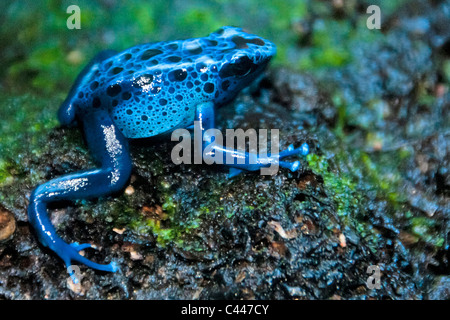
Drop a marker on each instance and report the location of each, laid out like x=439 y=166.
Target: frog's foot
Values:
x=70 y=252
x=291 y=151
x=276 y=158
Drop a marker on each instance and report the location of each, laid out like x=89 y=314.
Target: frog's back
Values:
x=154 y=88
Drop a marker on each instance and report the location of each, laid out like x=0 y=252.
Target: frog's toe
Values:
x=77 y=246
x=114 y=266
x=233 y=173
x=293 y=166
x=290 y=151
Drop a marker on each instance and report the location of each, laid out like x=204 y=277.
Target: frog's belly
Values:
x=152 y=120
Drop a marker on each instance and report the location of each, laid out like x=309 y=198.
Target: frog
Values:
x=145 y=91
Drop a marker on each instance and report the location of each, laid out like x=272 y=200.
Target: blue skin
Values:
x=145 y=91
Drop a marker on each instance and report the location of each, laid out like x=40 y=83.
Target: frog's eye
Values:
x=238 y=68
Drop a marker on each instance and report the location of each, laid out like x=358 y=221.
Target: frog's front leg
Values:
x=110 y=149
x=252 y=162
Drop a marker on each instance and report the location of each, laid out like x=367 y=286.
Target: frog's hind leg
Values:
x=110 y=149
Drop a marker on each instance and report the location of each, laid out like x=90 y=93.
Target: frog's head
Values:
x=245 y=56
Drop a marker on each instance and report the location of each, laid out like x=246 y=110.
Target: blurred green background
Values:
x=39 y=53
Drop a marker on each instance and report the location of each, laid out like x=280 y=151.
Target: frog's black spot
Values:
x=186 y=108
x=216 y=95
x=197 y=89
x=177 y=75
x=201 y=67
x=164 y=113
x=94 y=85
x=153 y=62
x=150 y=108
x=174 y=59
x=144 y=118
x=194 y=49
x=114 y=103
x=162 y=102
x=204 y=77
x=129 y=111
x=189 y=84
x=179 y=97
x=208 y=87
x=113 y=90
x=116 y=70
x=211 y=43
x=108 y=65
x=147 y=54
x=194 y=75
x=225 y=85
x=174 y=111
x=126 y=96
x=96 y=103
x=127 y=56
x=171 y=90
x=155 y=90
x=172 y=46
x=197 y=82
x=219 y=31
x=241 y=42
x=80 y=95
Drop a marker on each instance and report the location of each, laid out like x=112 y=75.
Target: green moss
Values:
x=386 y=184
x=5 y=174
x=342 y=188
x=170 y=227
x=425 y=229
x=446 y=70
x=25 y=122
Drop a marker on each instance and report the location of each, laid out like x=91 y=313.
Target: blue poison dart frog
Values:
x=144 y=91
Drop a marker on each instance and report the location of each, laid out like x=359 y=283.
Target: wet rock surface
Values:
x=373 y=192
